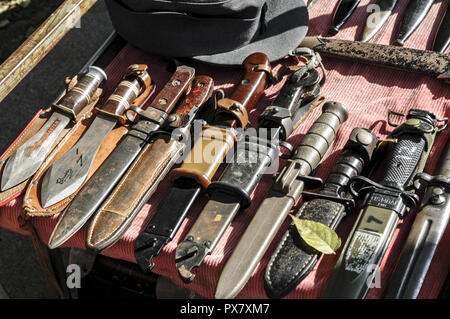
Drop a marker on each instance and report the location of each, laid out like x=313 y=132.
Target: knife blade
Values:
x=29 y=157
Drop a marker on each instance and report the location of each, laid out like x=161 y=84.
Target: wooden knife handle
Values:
x=249 y=91
x=202 y=89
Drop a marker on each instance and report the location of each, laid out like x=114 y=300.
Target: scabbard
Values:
x=426 y=232
x=343 y=12
x=442 y=39
x=282 y=196
x=421 y=61
x=292 y=260
x=415 y=12
x=99 y=186
x=378 y=18
x=147 y=171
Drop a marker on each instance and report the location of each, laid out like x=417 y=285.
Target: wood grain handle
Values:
x=179 y=83
x=202 y=89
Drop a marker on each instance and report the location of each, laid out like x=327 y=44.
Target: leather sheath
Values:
x=146 y=172
x=292 y=260
x=414 y=14
x=99 y=186
x=33 y=127
x=343 y=12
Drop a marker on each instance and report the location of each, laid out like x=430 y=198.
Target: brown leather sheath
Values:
x=147 y=171
x=32 y=204
x=34 y=126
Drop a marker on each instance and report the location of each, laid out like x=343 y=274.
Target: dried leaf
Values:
x=317 y=235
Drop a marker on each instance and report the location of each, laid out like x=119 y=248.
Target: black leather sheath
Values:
x=292 y=259
x=342 y=14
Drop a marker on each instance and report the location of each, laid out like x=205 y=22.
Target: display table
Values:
x=368 y=92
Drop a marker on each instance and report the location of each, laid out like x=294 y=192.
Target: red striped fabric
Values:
x=367 y=91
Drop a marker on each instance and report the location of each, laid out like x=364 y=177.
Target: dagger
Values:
x=291 y=260
x=253 y=156
x=194 y=175
x=442 y=39
x=385 y=203
x=343 y=12
x=375 y=20
x=282 y=196
x=421 y=61
x=426 y=232
x=102 y=182
x=28 y=158
x=416 y=11
x=71 y=170
x=148 y=170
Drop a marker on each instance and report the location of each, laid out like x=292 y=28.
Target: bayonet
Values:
x=150 y=167
x=416 y=11
x=442 y=39
x=71 y=170
x=292 y=260
x=253 y=156
x=384 y=204
x=421 y=61
x=343 y=12
x=426 y=232
x=195 y=173
x=375 y=20
x=28 y=158
x=103 y=181
x=281 y=197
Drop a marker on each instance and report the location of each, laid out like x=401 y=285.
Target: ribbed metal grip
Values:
x=321 y=135
x=403 y=160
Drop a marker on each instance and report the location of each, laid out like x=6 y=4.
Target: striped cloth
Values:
x=367 y=91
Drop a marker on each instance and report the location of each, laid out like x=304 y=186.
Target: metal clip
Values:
x=313 y=60
x=438 y=180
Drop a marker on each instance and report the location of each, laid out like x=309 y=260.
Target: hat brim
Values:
x=287 y=26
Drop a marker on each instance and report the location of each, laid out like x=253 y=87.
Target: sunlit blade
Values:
x=27 y=159
x=70 y=171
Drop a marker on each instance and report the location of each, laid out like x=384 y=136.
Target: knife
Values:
x=442 y=39
x=28 y=158
x=71 y=170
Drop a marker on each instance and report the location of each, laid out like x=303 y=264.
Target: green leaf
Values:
x=317 y=235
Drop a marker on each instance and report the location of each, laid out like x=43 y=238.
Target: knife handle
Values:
x=313 y=146
x=80 y=95
x=356 y=154
x=256 y=78
x=206 y=155
x=134 y=89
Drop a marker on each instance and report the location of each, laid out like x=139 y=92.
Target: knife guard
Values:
x=33 y=127
x=202 y=169
x=32 y=204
